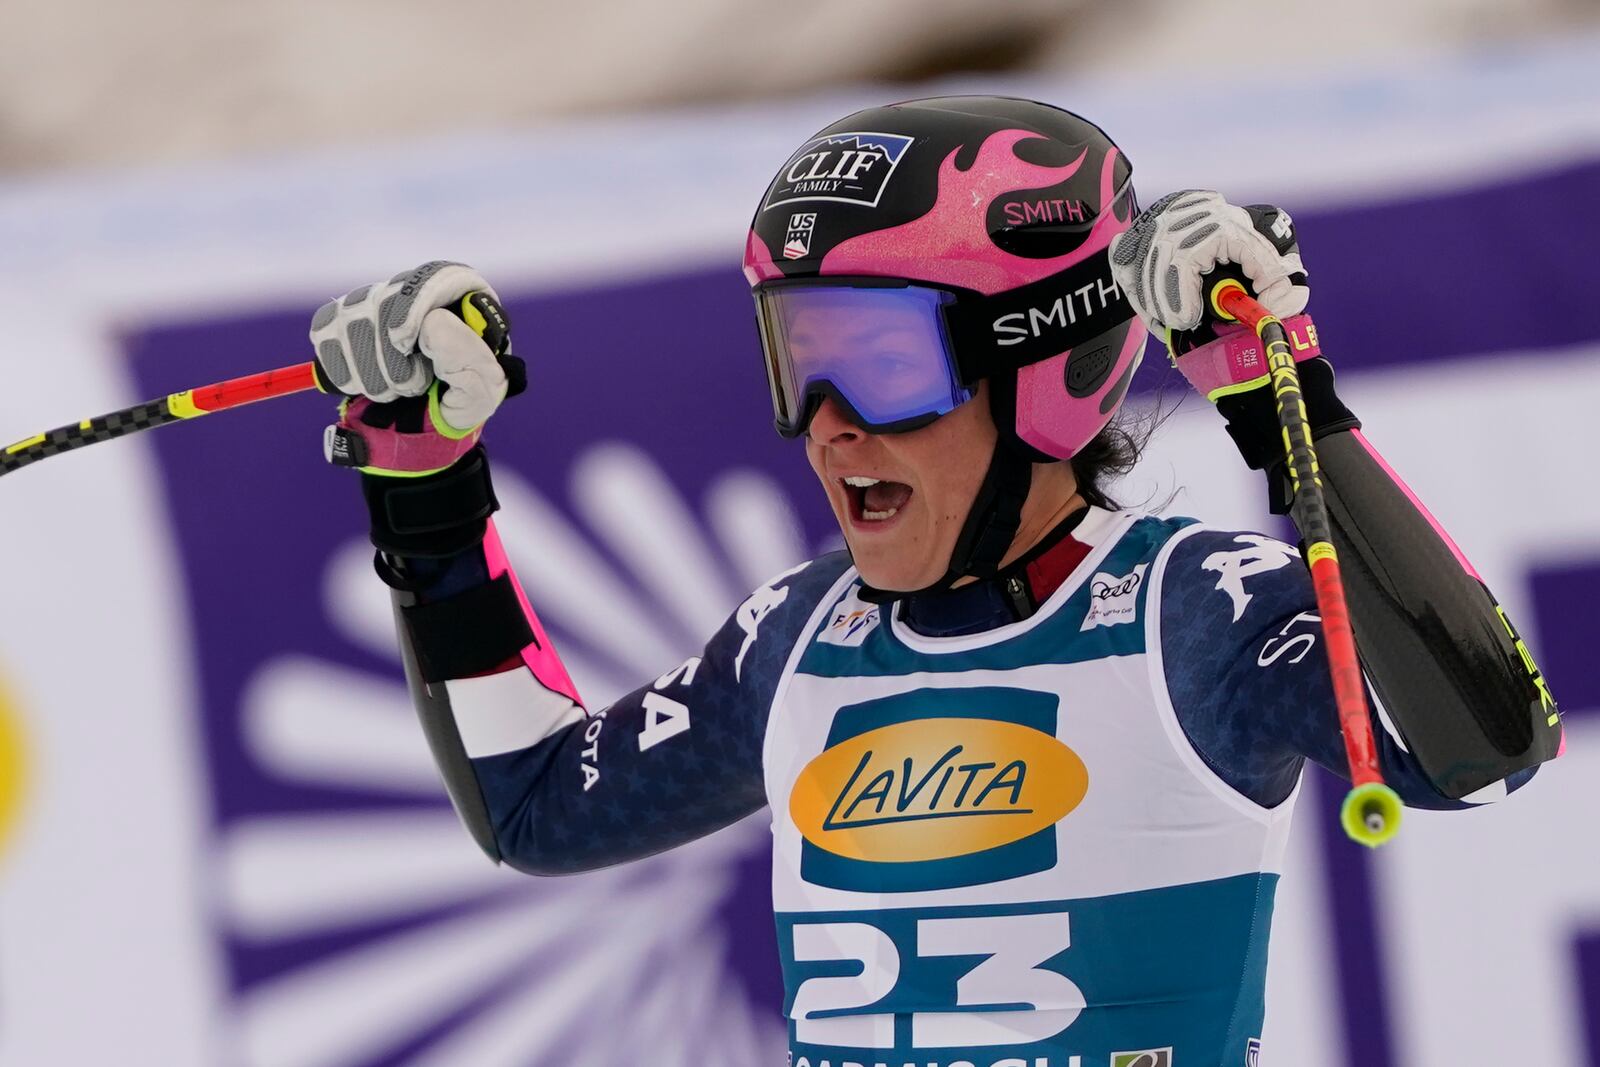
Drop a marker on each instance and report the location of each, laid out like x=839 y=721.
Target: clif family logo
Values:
x=930 y=789
x=851 y=168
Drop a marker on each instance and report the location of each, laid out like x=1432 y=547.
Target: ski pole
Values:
x=189 y=404
x=1371 y=810
x=479 y=310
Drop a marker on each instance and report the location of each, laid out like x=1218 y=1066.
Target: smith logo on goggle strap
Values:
x=1086 y=301
x=1010 y=330
x=851 y=168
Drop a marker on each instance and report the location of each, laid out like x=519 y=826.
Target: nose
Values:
x=830 y=425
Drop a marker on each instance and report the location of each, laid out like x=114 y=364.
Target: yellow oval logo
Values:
x=935 y=788
x=13 y=768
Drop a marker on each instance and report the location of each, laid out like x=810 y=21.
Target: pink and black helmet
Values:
x=1006 y=205
x=972 y=233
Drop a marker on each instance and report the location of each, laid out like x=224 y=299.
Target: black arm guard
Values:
x=1459 y=684
x=435 y=515
x=444 y=739
x=477 y=631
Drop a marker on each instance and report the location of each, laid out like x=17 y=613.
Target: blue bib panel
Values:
x=1000 y=850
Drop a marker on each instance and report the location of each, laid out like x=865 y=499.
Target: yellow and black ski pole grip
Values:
x=1371 y=811
x=479 y=310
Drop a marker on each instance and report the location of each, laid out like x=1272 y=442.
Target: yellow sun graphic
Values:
x=13 y=766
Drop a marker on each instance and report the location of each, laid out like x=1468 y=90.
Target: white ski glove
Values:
x=368 y=341
x=1158 y=262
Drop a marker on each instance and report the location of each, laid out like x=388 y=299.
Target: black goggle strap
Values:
x=1011 y=330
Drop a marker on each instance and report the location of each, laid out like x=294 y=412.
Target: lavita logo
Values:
x=852 y=168
x=935 y=788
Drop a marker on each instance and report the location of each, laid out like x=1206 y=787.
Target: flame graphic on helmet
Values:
x=951 y=245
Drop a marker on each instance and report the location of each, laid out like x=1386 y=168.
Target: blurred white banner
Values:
x=130 y=892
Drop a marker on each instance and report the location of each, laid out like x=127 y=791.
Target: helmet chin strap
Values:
x=990 y=529
x=996 y=513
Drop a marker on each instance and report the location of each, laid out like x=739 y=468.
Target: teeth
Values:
x=878 y=516
x=860 y=482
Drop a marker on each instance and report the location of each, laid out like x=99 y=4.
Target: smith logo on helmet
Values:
x=851 y=168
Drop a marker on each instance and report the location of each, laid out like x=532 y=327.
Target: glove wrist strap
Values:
x=1235 y=362
x=434 y=515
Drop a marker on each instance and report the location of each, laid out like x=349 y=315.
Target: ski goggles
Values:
x=880 y=349
x=896 y=355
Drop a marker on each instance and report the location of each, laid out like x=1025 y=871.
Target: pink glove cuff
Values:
x=1236 y=361
x=386 y=450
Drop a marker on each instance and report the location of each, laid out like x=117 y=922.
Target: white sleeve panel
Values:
x=508 y=711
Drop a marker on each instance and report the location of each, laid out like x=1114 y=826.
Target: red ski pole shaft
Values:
x=236 y=392
x=1371 y=811
x=176 y=407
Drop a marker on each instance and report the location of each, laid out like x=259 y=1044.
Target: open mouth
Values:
x=874 y=500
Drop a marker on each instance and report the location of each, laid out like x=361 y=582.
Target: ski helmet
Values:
x=979 y=226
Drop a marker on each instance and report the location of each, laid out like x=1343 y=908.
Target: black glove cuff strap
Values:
x=1253 y=424
x=435 y=515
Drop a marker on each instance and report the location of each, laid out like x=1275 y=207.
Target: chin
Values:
x=888 y=571
x=895 y=560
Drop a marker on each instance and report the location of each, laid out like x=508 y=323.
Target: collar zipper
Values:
x=1017 y=590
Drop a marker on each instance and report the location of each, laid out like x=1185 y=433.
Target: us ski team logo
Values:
x=851 y=168
x=797 y=242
